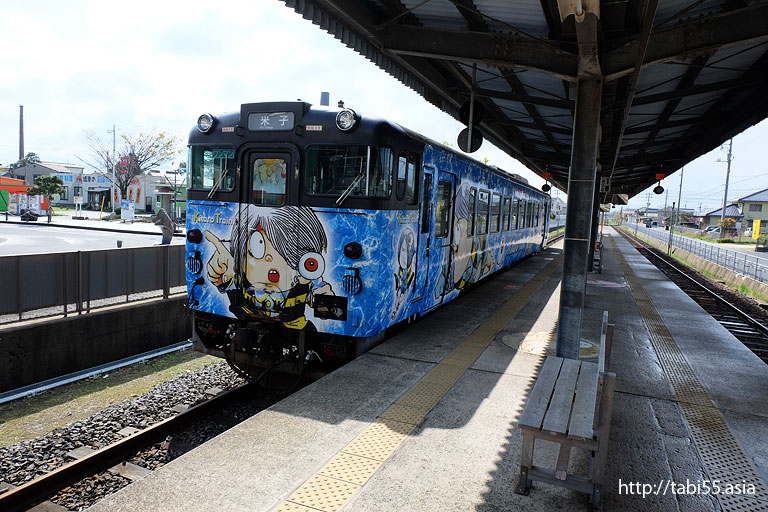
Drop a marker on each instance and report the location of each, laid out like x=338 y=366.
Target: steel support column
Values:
x=578 y=218
x=595 y=229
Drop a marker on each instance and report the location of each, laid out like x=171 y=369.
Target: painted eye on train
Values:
x=311 y=265
x=257 y=246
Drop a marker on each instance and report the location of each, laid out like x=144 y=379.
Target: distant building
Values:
x=663 y=213
x=150 y=191
x=731 y=211
x=29 y=172
x=755 y=207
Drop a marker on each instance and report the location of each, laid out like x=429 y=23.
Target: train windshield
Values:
x=211 y=168
x=339 y=171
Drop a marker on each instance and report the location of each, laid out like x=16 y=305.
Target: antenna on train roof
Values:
x=341 y=104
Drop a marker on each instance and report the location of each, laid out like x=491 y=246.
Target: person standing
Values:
x=166 y=225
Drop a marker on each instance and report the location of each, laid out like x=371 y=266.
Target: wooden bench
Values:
x=570 y=404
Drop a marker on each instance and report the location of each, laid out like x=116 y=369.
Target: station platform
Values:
x=427 y=421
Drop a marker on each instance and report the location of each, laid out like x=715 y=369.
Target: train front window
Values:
x=211 y=168
x=341 y=171
x=268 y=186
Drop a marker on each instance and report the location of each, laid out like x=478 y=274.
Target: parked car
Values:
x=713 y=229
x=748 y=232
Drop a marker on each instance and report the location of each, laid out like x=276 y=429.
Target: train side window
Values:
x=471 y=208
x=538 y=213
x=411 y=188
x=381 y=172
x=443 y=209
x=483 y=207
x=495 y=213
x=268 y=182
x=529 y=214
x=506 y=213
x=516 y=214
x=426 y=200
x=402 y=169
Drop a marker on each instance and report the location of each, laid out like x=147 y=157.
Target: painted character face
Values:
x=462 y=247
x=405 y=249
x=266 y=269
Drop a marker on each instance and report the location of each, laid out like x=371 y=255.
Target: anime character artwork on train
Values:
x=312 y=231
x=278 y=277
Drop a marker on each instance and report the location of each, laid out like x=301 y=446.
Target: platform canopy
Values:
x=679 y=77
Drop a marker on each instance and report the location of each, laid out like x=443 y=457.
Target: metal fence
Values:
x=749 y=265
x=39 y=285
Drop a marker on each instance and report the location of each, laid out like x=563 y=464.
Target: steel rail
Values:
x=733 y=328
x=39 y=489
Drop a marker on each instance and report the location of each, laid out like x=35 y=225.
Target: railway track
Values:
x=750 y=331
x=36 y=491
x=556 y=238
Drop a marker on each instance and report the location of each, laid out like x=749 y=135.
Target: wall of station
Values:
x=36 y=352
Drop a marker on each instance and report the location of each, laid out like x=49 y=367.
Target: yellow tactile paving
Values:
x=323 y=493
x=403 y=413
x=350 y=468
x=380 y=439
x=331 y=488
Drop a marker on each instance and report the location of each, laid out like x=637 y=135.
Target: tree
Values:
x=30 y=159
x=47 y=186
x=726 y=226
x=137 y=154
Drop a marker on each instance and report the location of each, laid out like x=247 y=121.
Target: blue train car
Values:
x=311 y=231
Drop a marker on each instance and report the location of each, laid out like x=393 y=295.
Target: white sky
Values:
x=82 y=66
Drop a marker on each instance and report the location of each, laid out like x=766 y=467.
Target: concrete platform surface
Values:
x=465 y=452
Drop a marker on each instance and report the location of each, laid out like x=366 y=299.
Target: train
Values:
x=313 y=231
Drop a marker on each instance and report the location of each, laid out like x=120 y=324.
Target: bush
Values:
x=724 y=240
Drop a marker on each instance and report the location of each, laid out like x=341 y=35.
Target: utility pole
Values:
x=725 y=194
x=679 y=193
x=21 y=132
x=112 y=188
x=648 y=205
x=669 y=240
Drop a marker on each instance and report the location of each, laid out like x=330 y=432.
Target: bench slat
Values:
x=583 y=412
x=559 y=412
x=536 y=406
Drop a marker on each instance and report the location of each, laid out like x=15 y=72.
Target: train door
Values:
x=425 y=235
x=441 y=253
x=261 y=243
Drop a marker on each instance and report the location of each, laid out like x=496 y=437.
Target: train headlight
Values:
x=195 y=236
x=205 y=123
x=346 y=120
x=353 y=250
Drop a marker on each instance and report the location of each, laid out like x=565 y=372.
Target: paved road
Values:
x=29 y=239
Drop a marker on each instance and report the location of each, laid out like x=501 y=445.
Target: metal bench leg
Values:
x=526 y=462
x=604 y=430
x=561 y=470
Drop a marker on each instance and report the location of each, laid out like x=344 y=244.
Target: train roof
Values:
x=369 y=125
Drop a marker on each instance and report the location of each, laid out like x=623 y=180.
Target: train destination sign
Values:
x=270 y=121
